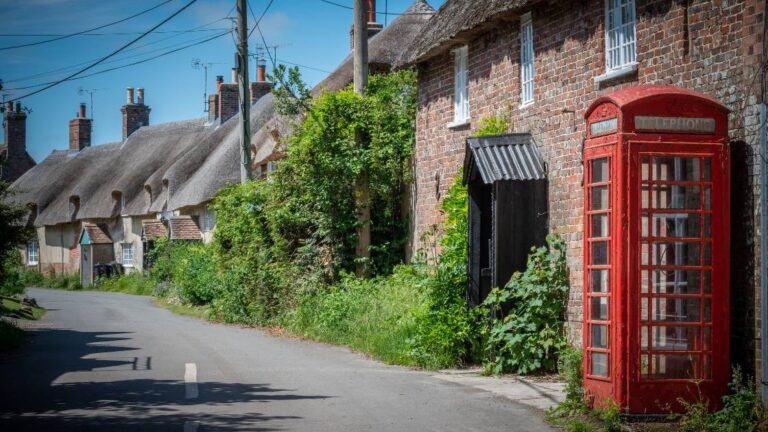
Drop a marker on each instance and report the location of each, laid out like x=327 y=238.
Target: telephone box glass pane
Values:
x=600 y=172
x=599 y=307
x=677 y=253
x=667 y=338
x=676 y=309
x=599 y=336
x=600 y=252
x=599 y=198
x=674 y=366
x=677 y=169
x=599 y=281
x=676 y=281
x=676 y=197
x=676 y=225
x=599 y=364
x=600 y=225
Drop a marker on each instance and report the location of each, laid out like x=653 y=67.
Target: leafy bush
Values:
x=530 y=337
x=445 y=326
x=12 y=280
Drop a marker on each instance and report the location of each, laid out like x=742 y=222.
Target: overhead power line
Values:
x=256 y=22
x=382 y=13
x=112 y=54
x=138 y=62
x=85 y=31
x=120 y=58
x=103 y=34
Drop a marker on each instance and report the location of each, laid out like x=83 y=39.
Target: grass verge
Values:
x=176 y=307
x=12 y=337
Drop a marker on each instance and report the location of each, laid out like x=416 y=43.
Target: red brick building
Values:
x=541 y=64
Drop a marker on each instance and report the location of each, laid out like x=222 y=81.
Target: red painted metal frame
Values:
x=624 y=147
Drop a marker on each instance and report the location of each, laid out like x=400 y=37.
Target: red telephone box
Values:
x=656 y=249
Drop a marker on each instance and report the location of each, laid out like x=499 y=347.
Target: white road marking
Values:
x=191 y=426
x=190 y=382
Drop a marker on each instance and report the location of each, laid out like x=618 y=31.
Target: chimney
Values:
x=140 y=96
x=373 y=26
x=15 y=128
x=80 y=131
x=228 y=97
x=135 y=115
x=261 y=87
x=213 y=107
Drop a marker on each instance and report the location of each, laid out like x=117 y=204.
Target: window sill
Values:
x=128 y=265
x=525 y=105
x=617 y=73
x=458 y=123
x=32 y=264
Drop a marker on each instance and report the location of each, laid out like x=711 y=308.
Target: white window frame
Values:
x=33 y=253
x=209 y=219
x=460 y=87
x=127 y=260
x=527 y=68
x=620 y=39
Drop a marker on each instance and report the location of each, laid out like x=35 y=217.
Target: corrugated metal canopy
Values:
x=504 y=157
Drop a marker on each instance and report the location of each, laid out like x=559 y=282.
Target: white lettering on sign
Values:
x=603 y=126
x=675 y=124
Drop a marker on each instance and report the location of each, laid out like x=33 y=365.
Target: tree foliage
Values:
x=13 y=233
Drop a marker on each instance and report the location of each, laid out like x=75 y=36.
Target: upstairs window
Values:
x=33 y=257
x=619 y=34
x=461 y=87
x=527 y=71
x=127 y=254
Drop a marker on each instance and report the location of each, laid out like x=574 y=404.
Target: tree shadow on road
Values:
x=35 y=394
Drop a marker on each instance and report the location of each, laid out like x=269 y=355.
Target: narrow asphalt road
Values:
x=114 y=362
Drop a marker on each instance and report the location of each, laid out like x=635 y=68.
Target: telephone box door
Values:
x=678 y=296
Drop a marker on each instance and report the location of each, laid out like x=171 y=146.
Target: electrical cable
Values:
x=101 y=34
x=99 y=72
x=112 y=54
x=138 y=47
x=258 y=21
x=85 y=31
x=384 y=13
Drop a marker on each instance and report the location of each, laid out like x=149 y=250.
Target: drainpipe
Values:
x=763 y=254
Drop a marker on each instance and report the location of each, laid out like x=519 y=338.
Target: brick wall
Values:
x=229 y=95
x=134 y=117
x=696 y=44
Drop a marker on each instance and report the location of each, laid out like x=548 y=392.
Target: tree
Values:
x=13 y=233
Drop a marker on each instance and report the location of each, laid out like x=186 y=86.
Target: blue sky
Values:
x=308 y=32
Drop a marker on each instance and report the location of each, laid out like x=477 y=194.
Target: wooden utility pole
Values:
x=245 y=97
x=362 y=186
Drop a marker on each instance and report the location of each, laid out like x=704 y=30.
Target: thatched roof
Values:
x=384 y=49
x=454 y=24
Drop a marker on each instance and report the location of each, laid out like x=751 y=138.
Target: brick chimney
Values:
x=213 y=100
x=135 y=115
x=261 y=87
x=15 y=128
x=373 y=26
x=228 y=95
x=80 y=131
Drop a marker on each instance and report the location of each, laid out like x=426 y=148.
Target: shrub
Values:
x=12 y=280
x=132 y=283
x=530 y=337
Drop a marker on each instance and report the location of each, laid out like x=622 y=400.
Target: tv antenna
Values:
x=198 y=64
x=82 y=91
